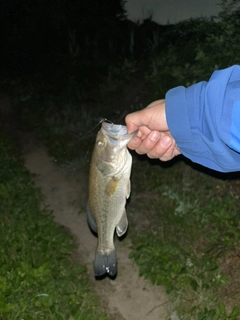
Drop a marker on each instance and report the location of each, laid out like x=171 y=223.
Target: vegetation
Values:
x=193 y=228
x=186 y=233
x=38 y=278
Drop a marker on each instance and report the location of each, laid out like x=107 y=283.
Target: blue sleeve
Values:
x=204 y=119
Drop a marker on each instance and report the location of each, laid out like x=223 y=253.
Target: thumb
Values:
x=152 y=117
x=134 y=120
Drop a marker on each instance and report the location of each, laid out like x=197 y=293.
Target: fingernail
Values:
x=166 y=142
x=154 y=136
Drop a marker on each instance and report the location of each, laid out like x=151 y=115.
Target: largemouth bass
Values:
x=109 y=188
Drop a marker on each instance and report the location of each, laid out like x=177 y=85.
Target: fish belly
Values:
x=106 y=212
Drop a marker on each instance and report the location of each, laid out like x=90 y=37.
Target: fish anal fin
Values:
x=90 y=219
x=105 y=263
x=128 y=191
x=122 y=225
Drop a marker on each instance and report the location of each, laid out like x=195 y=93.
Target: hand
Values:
x=153 y=137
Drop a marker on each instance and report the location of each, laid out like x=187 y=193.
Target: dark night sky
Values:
x=172 y=11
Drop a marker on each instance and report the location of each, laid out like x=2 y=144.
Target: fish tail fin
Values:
x=105 y=263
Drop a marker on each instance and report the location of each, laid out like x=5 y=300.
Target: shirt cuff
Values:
x=176 y=115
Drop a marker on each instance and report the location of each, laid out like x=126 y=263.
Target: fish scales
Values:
x=109 y=187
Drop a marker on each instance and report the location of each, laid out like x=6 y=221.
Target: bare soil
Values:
x=128 y=296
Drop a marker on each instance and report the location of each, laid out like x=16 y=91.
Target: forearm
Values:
x=204 y=120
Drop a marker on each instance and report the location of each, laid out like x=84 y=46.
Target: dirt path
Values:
x=129 y=296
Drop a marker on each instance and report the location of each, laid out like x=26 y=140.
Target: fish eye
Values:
x=100 y=143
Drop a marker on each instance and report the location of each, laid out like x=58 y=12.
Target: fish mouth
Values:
x=117 y=134
x=114 y=129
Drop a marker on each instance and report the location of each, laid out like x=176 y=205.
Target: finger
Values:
x=145 y=118
x=152 y=117
x=132 y=121
x=149 y=142
x=170 y=153
x=134 y=143
x=161 y=147
x=137 y=139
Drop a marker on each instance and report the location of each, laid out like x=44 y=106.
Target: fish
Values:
x=109 y=189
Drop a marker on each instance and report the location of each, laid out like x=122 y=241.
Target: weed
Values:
x=37 y=279
x=195 y=230
x=193 y=218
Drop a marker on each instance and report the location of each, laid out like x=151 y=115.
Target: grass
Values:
x=195 y=227
x=184 y=221
x=38 y=277
x=183 y=232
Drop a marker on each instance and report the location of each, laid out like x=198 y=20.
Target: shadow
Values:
x=195 y=166
x=156 y=162
x=212 y=173
x=106 y=275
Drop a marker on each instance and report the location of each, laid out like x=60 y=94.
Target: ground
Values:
x=126 y=297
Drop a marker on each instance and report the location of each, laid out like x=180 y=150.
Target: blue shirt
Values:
x=204 y=119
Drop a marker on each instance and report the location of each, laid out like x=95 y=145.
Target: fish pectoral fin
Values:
x=122 y=225
x=105 y=263
x=90 y=219
x=112 y=186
